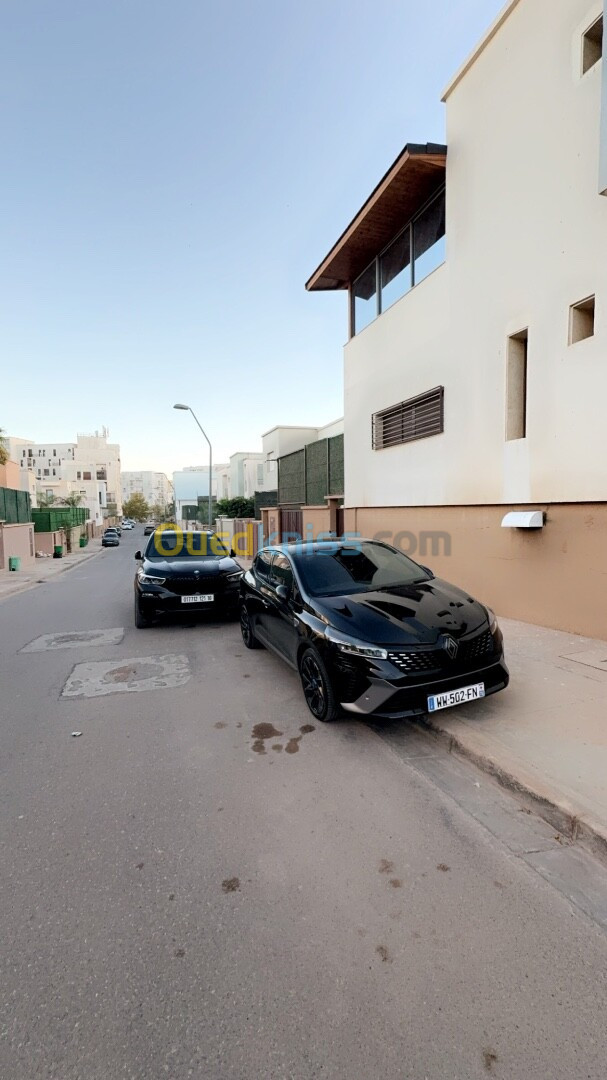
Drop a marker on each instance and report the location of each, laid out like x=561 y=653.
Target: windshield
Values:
x=364 y=567
x=183 y=545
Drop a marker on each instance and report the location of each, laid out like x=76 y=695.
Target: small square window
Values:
x=581 y=320
x=592 y=42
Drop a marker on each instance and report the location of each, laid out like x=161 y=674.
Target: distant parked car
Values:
x=149 y=529
x=193 y=572
x=369 y=630
x=126 y=524
x=110 y=538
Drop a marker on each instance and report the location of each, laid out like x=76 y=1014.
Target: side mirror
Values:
x=282 y=592
x=428 y=570
x=138 y=555
x=233 y=554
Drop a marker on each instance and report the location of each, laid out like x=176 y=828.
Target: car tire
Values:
x=248 y=635
x=140 y=620
x=317 y=687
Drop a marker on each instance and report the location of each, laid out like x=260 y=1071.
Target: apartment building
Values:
x=476 y=365
x=155 y=487
x=89 y=467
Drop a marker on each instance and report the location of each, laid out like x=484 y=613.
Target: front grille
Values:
x=188 y=583
x=477 y=649
x=413 y=662
x=469 y=653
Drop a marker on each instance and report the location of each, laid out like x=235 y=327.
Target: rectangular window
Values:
x=429 y=239
x=395 y=270
x=592 y=45
x=364 y=293
x=86 y=476
x=54 y=453
x=516 y=386
x=46 y=472
x=418 y=418
x=78 y=476
x=581 y=320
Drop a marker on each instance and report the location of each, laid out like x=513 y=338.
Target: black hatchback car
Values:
x=110 y=538
x=185 y=572
x=369 y=630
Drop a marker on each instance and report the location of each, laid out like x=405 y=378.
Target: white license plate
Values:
x=456 y=697
x=198 y=598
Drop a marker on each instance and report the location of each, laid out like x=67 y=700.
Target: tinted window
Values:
x=365 y=298
x=282 y=572
x=262 y=565
x=360 y=568
x=429 y=239
x=185 y=545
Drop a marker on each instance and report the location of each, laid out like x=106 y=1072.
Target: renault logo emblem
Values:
x=450 y=647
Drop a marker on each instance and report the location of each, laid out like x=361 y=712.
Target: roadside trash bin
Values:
x=58 y=552
x=83 y=541
x=14 y=563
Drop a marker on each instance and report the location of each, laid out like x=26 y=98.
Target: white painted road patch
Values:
x=127 y=676
x=76 y=639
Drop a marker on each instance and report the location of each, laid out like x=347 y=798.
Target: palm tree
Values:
x=44 y=501
x=3 y=447
x=71 y=500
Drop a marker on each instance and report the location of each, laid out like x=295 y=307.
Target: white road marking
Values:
x=102 y=677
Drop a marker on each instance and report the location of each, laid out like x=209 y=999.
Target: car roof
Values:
x=313 y=547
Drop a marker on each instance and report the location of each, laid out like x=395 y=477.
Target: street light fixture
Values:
x=187 y=408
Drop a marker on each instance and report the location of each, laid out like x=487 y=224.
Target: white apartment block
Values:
x=89 y=467
x=285 y=439
x=155 y=487
x=475 y=374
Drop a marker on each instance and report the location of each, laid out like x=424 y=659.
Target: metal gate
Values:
x=291 y=525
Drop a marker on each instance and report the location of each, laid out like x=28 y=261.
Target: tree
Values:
x=236 y=508
x=71 y=500
x=159 y=512
x=44 y=501
x=3 y=447
x=136 y=507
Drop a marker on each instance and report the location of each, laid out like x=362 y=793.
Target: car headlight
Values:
x=149 y=579
x=350 y=645
x=492 y=620
x=235 y=577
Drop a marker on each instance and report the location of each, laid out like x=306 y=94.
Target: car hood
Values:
x=188 y=567
x=405 y=615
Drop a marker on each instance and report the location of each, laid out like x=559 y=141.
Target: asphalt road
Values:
x=184 y=897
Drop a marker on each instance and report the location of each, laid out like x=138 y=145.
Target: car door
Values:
x=281 y=614
x=259 y=598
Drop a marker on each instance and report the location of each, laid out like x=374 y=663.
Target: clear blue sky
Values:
x=172 y=174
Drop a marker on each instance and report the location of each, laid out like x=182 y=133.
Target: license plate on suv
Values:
x=456 y=697
x=198 y=598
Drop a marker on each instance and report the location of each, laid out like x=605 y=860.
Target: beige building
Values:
x=476 y=366
x=89 y=467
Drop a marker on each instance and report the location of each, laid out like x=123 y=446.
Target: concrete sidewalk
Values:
x=546 y=735
x=43 y=570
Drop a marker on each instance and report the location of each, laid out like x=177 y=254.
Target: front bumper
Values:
x=156 y=600
x=399 y=698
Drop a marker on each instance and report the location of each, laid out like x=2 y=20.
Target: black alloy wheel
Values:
x=317 y=688
x=246 y=630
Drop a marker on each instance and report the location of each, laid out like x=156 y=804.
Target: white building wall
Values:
x=154 y=486
x=526 y=238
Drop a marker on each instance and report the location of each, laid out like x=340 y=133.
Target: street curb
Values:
x=60 y=570
x=578 y=829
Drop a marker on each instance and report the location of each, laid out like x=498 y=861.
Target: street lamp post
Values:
x=186 y=408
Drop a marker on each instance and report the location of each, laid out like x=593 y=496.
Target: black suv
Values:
x=185 y=572
x=369 y=630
